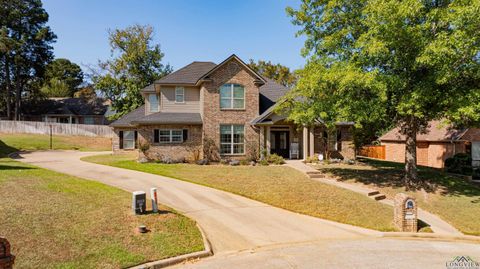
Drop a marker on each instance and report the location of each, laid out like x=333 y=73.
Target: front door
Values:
x=280 y=143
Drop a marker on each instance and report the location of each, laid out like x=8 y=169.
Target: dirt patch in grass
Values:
x=58 y=221
x=14 y=142
x=279 y=186
x=454 y=199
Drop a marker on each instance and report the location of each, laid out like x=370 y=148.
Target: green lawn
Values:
x=14 y=142
x=455 y=200
x=276 y=185
x=57 y=221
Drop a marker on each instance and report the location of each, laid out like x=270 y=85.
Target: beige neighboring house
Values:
x=227 y=105
x=435 y=146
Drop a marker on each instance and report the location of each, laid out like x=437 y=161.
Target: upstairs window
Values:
x=153 y=100
x=232 y=96
x=179 y=95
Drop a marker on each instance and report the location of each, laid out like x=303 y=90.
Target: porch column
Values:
x=267 y=129
x=262 y=139
x=305 y=143
x=311 y=143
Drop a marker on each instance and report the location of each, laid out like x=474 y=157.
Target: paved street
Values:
x=249 y=234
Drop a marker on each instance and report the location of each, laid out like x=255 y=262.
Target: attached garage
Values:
x=433 y=147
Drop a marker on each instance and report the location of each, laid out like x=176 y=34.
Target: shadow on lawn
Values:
x=383 y=174
x=13 y=167
x=6 y=149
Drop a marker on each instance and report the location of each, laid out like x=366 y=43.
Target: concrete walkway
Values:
x=231 y=222
x=438 y=225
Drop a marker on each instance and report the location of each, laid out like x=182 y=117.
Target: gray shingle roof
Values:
x=189 y=74
x=170 y=118
x=76 y=106
x=270 y=92
x=126 y=120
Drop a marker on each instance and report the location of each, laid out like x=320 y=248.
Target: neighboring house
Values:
x=71 y=110
x=438 y=143
x=228 y=106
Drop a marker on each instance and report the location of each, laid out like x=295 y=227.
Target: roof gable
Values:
x=187 y=75
x=259 y=79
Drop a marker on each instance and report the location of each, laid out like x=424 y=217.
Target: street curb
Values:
x=468 y=238
x=182 y=258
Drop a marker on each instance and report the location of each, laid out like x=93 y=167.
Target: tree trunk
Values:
x=7 y=88
x=18 y=92
x=411 y=175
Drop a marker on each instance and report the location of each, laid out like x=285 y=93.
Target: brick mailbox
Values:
x=405 y=213
x=6 y=258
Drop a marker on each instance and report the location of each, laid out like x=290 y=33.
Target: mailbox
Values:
x=6 y=258
x=405 y=213
x=153 y=197
x=139 y=200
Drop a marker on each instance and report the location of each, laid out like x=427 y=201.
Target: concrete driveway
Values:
x=246 y=233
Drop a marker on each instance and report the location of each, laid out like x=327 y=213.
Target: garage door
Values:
x=476 y=153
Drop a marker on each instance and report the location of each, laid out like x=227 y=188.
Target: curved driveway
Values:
x=244 y=233
x=231 y=222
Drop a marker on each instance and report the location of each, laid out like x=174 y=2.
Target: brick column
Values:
x=311 y=143
x=305 y=143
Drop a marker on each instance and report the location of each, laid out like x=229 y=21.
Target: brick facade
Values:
x=174 y=151
x=213 y=116
x=432 y=154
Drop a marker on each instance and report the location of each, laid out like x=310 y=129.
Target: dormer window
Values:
x=232 y=96
x=153 y=101
x=179 y=95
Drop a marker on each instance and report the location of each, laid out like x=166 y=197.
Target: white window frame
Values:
x=181 y=93
x=232 y=144
x=232 y=98
x=157 y=107
x=125 y=139
x=170 y=136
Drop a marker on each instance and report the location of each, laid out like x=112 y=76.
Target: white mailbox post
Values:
x=153 y=196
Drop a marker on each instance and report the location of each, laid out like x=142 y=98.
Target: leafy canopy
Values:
x=405 y=62
x=64 y=70
x=277 y=72
x=135 y=64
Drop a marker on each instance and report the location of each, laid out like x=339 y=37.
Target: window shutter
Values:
x=136 y=139
x=156 y=135
x=185 y=135
x=339 y=140
x=121 y=139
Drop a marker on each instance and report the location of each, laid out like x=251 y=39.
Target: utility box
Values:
x=6 y=258
x=139 y=201
x=405 y=213
x=153 y=197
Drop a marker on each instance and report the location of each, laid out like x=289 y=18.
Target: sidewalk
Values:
x=438 y=225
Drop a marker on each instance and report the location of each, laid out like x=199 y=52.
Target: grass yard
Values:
x=276 y=185
x=455 y=200
x=13 y=142
x=57 y=221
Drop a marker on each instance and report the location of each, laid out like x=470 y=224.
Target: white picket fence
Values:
x=38 y=127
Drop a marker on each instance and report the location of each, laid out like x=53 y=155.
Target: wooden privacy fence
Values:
x=377 y=152
x=39 y=127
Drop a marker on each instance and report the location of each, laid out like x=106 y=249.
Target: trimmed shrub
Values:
x=275 y=159
x=460 y=163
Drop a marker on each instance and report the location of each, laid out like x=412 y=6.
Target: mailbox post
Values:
x=405 y=213
x=6 y=258
x=139 y=199
x=153 y=197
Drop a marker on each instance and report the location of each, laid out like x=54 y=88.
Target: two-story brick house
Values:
x=227 y=107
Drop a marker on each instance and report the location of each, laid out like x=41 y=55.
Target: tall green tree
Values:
x=25 y=50
x=136 y=64
x=407 y=62
x=65 y=71
x=277 y=72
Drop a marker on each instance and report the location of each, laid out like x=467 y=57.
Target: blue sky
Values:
x=188 y=30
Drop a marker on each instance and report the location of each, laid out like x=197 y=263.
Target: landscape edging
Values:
x=182 y=258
